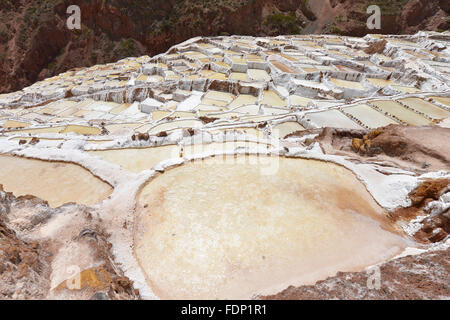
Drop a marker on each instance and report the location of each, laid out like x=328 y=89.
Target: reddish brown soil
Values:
x=417 y=149
x=435 y=227
x=377 y=47
x=116 y=285
x=424 y=276
x=25 y=266
x=428 y=190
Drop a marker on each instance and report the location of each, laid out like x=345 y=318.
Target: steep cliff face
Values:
x=397 y=16
x=35 y=42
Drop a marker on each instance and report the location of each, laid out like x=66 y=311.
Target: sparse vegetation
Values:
x=283 y=23
x=51 y=66
x=388 y=7
x=127 y=48
x=334 y=29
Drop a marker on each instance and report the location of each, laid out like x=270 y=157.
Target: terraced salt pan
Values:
x=175 y=125
x=382 y=57
x=309 y=68
x=99 y=141
x=61 y=105
x=368 y=116
x=247 y=131
x=299 y=101
x=259 y=118
x=425 y=107
x=12 y=124
x=397 y=110
x=218 y=76
x=258 y=75
x=288 y=57
x=239 y=60
x=41 y=130
x=275 y=111
x=138 y=159
x=28 y=139
x=340 y=54
x=347 y=84
x=381 y=83
x=406 y=89
x=158 y=115
x=304 y=42
x=84 y=130
x=119 y=109
x=242 y=100
x=248 y=109
x=68 y=112
x=203 y=109
x=442 y=100
x=273 y=99
x=217 y=95
x=282 y=67
x=215 y=102
x=196 y=239
x=287 y=128
x=240 y=76
x=121 y=128
x=219 y=148
x=254 y=58
x=56 y=182
x=331 y=118
x=225 y=115
x=346 y=69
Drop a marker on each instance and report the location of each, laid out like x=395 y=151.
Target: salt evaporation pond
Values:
x=139 y=159
x=368 y=116
x=223 y=230
x=397 y=110
x=56 y=182
x=427 y=108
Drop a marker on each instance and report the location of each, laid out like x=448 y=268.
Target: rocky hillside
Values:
x=35 y=43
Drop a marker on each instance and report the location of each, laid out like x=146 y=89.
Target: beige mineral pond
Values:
x=56 y=182
x=273 y=99
x=42 y=130
x=332 y=118
x=242 y=100
x=432 y=111
x=196 y=239
x=397 y=110
x=287 y=128
x=138 y=159
x=369 y=116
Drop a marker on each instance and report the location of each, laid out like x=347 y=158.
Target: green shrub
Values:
x=283 y=23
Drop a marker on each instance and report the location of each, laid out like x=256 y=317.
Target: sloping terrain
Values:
x=232 y=167
x=35 y=43
x=75 y=263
